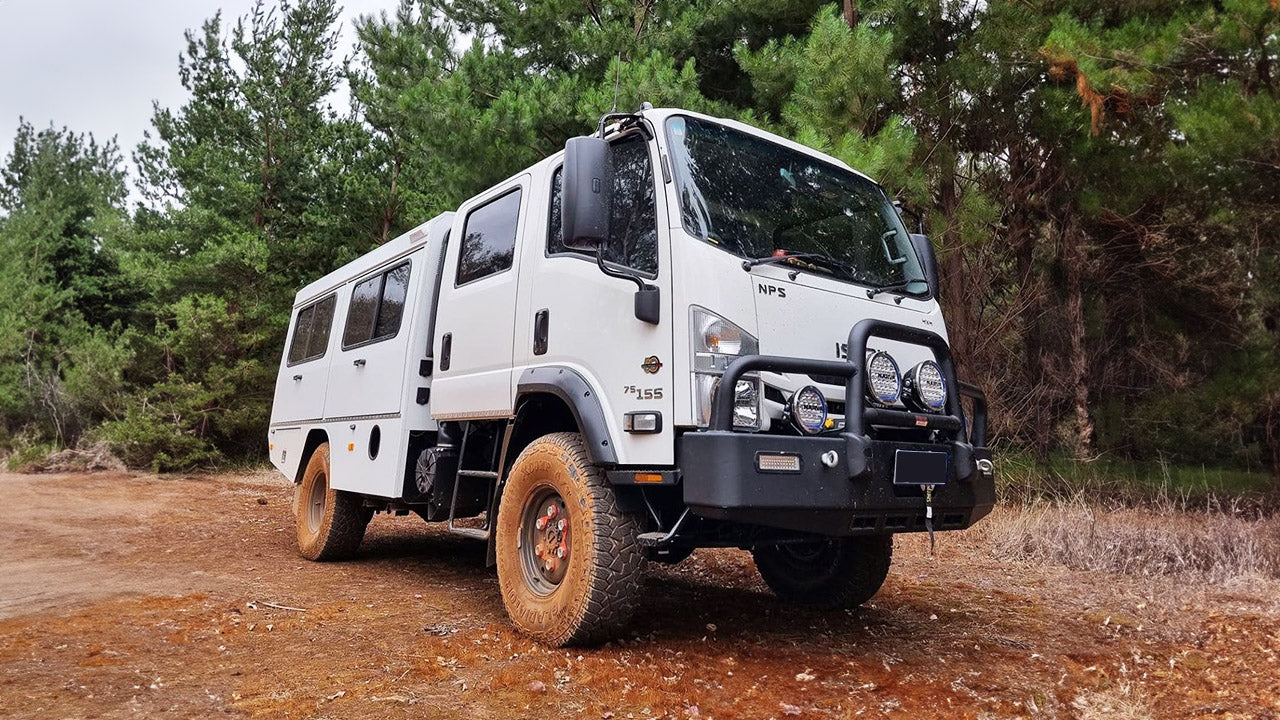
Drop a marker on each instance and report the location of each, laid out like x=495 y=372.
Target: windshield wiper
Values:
x=896 y=287
x=748 y=264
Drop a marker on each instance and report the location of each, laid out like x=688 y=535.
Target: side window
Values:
x=301 y=334
x=362 y=311
x=394 y=289
x=311 y=331
x=377 y=306
x=489 y=239
x=633 y=223
x=320 y=326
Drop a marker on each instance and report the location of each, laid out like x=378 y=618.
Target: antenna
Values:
x=617 y=73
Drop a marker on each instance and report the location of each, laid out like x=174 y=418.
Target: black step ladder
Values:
x=497 y=464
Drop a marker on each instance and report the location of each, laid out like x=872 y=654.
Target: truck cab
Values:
x=680 y=332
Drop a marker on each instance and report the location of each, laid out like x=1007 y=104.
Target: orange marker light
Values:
x=351 y=447
x=648 y=477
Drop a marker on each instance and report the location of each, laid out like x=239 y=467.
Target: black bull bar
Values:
x=857 y=415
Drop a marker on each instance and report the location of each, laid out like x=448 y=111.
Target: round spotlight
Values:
x=926 y=388
x=884 y=383
x=808 y=410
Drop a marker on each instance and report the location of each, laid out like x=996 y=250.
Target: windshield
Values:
x=754 y=198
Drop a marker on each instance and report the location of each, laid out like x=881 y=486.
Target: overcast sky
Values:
x=97 y=65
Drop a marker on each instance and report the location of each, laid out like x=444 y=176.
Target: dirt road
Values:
x=145 y=596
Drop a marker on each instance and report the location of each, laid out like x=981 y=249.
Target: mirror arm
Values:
x=648 y=307
x=640 y=283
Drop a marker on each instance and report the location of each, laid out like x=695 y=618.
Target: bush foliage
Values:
x=1102 y=181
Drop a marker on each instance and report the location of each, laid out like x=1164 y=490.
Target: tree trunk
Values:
x=1074 y=256
x=1273 y=440
x=851 y=13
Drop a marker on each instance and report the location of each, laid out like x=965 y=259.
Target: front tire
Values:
x=569 y=565
x=330 y=523
x=833 y=573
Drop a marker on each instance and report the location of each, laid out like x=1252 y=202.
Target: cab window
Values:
x=489 y=239
x=633 y=222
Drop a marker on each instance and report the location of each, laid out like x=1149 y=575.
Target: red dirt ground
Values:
x=132 y=595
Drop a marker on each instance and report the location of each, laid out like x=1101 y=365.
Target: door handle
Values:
x=296 y=378
x=358 y=362
x=541 y=320
x=446 y=351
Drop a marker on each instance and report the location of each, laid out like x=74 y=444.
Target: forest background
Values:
x=1101 y=180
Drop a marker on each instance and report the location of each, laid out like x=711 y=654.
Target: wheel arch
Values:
x=545 y=394
x=315 y=438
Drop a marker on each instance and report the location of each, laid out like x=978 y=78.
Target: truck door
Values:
x=368 y=372
x=573 y=315
x=475 y=321
x=304 y=373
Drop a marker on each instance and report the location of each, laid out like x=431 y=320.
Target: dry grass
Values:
x=1212 y=547
x=1119 y=702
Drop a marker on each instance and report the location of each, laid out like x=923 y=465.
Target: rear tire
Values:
x=330 y=523
x=569 y=565
x=834 y=573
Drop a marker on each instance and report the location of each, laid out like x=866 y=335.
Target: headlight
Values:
x=925 y=388
x=716 y=342
x=884 y=384
x=808 y=410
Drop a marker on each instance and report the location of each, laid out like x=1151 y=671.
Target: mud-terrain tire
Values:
x=330 y=523
x=588 y=594
x=834 y=573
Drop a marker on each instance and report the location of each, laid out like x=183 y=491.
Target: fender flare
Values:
x=583 y=401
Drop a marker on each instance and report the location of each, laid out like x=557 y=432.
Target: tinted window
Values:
x=633 y=222
x=320 y=326
x=363 y=311
x=489 y=239
x=377 y=306
x=301 y=334
x=311 y=331
x=394 y=288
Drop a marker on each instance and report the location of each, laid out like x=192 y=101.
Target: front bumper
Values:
x=721 y=481
x=855 y=494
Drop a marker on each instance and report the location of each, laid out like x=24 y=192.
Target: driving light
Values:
x=884 y=383
x=925 y=388
x=808 y=410
x=777 y=462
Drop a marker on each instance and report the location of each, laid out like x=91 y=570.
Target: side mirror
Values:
x=928 y=260
x=587 y=193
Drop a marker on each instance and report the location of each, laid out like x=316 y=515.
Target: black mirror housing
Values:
x=586 y=193
x=928 y=260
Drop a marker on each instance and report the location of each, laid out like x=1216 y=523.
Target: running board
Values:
x=473 y=533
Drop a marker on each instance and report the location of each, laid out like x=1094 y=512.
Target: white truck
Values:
x=680 y=332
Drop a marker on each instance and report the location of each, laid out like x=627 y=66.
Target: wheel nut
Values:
x=552 y=511
x=541 y=524
x=560 y=551
x=560 y=525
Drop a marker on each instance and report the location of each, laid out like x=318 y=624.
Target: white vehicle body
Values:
x=505 y=333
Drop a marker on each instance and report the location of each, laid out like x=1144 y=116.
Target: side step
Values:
x=473 y=533
x=495 y=476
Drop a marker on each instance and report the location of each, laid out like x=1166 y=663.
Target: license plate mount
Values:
x=921 y=467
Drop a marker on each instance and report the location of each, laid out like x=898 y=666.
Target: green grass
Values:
x=1020 y=477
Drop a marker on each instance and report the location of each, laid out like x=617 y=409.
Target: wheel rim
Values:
x=544 y=541
x=808 y=555
x=315 y=503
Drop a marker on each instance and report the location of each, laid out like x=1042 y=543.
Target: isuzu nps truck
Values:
x=680 y=332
